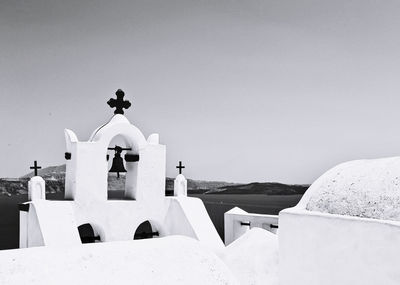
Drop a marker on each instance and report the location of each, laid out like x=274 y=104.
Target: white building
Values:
x=45 y=222
x=184 y=246
x=345 y=230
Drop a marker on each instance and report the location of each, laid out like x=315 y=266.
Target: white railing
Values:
x=237 y=222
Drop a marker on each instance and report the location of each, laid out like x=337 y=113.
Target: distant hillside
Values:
x=55 y=181
x=267 y=188
x=51 y=172
x=198 y=185
x=57 y=173
x=17 y=186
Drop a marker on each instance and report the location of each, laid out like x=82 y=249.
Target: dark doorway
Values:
x=145 y=230
x=86 y=233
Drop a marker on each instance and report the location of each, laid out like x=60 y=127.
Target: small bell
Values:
x=118 y=163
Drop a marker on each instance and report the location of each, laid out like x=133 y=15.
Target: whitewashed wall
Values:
x=318 y=248
x=56 y=222
x=234 y=228
x=171 y=260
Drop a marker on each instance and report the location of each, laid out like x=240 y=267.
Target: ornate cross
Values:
x=180 y=167
x=35 y=167
x=119 y=104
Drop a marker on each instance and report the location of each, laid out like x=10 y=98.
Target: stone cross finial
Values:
x=180 y=167
x=35 y=167
x=119 y=104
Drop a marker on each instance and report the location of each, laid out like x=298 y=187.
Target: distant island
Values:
x=55 y=181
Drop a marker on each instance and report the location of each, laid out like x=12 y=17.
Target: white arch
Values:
x=119 y=125
x=134 y=139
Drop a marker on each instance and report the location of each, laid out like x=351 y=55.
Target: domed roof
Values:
x=362 y=188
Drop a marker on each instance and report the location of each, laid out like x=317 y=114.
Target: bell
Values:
x=118 y=163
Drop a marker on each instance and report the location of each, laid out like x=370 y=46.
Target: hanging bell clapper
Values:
x=118 y=162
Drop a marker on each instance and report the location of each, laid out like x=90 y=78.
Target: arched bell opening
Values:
x=87 y=234
x=122 y=169
x=146 y=230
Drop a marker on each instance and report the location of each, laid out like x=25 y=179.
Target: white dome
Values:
x=362 y=188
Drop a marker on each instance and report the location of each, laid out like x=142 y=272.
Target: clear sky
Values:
x=238 y=90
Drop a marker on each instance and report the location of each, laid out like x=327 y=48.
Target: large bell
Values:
x=118 y=163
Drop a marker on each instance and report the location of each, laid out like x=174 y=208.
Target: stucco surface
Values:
x=56 y=223
x=234 y=218
x=195 y=212
x=36 y=188
x=180 y=185
x=361 y=188
x=324 y=249
x=253 y=258
x=170 y=260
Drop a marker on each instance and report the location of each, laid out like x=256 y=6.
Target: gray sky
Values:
x=238 y=90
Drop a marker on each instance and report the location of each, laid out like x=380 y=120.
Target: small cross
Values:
x=180 y=167
x=119 y=104
x=35 y=167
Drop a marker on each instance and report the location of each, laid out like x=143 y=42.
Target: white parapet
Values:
x=154 y=139
x=180 y=186
x=174 y=260
x=253 y=258
x=345 y=229
x=188 y=216
x=36 y=188
x=237 y=222
x=319 y=248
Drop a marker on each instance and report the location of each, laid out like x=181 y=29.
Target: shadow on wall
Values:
x=146 y=230
x=86 y=234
